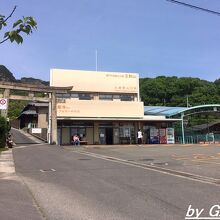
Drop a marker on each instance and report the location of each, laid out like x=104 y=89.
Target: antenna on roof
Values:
x=96 y=60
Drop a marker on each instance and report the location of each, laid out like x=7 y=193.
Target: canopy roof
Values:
x=29 y=112
x=172 y=111
x=162 y=110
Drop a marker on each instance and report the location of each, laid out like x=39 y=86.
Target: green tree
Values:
x=25 y=25
x=217 y=83
x=173 y=91
x=15 y=108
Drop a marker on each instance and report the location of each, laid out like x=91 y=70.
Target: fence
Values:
x=199 y=138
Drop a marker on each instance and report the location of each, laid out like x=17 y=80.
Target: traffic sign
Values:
x=3 y=104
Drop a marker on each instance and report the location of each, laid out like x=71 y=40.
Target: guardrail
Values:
x=199 y=139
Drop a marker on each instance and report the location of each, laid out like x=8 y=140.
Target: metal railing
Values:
x=199 y=138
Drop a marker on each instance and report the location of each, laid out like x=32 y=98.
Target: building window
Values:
x=59 y=95
x=116 y=96
x=85 y=96
x=127 y=97
x=74 y=95
x=107 y=97
x=66 y=96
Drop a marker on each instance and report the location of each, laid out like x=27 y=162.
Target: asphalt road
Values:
x=116 y=183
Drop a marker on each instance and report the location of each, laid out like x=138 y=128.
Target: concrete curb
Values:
x=7 y=167
x=17 y=201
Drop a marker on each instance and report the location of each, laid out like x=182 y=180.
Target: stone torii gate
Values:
x=31 y=90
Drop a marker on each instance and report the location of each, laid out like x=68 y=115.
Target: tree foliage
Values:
x=3 y=131
x=173 y=91
x=25 y=25
x=15 y=108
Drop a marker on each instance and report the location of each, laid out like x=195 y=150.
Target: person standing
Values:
x=140 y=136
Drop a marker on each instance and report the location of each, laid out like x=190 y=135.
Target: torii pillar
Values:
x=53 y=118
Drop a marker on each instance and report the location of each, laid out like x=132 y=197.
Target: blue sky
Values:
x=149 y=37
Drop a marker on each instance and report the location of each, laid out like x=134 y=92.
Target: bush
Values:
x=3 y=131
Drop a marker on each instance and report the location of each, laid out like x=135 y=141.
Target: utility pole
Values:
x=96 y=60
x=187 y=101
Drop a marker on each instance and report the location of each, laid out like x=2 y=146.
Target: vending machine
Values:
x=170 y=136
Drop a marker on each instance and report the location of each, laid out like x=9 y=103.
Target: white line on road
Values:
x=180 y=174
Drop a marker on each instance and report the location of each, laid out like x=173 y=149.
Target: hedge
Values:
x=3 y=131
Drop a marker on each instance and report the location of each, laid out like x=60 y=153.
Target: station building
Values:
x=103 y=108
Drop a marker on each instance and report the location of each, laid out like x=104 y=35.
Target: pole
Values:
x=96 y=60
x=6 y=95
x=49 y=136
x=183 y=135
x=54 y=118
x=187 y=101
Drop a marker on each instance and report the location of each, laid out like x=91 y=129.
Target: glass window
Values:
x=116 y=96
x=74 y=95
x=85 y=96
x=105 y=97
x=127 y=98
x=59 y=95
x=66 y=95
x=79 y=131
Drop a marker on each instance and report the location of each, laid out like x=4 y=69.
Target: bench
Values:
x=83 y=142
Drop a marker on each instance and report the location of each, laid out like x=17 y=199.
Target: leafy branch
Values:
x=25 y=25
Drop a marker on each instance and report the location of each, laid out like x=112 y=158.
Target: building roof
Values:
x=171 y=111
x=39 y=104
x=204 y=126
x=29 y=112
x=163 y=110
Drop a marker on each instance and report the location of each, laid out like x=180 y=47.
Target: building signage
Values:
x=91 y=81
x=3 y=104
x=36 y=130
x=98 y=108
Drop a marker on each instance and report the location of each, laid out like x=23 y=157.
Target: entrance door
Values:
x=109 y=135
x=102 y=136
x=58 y=136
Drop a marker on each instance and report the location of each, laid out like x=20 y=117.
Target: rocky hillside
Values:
x=6 y=75
x=34 y=81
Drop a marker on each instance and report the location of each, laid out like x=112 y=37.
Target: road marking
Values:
x=198 y=158
x=47 y=170
x=180 y=174
x=204 y=161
